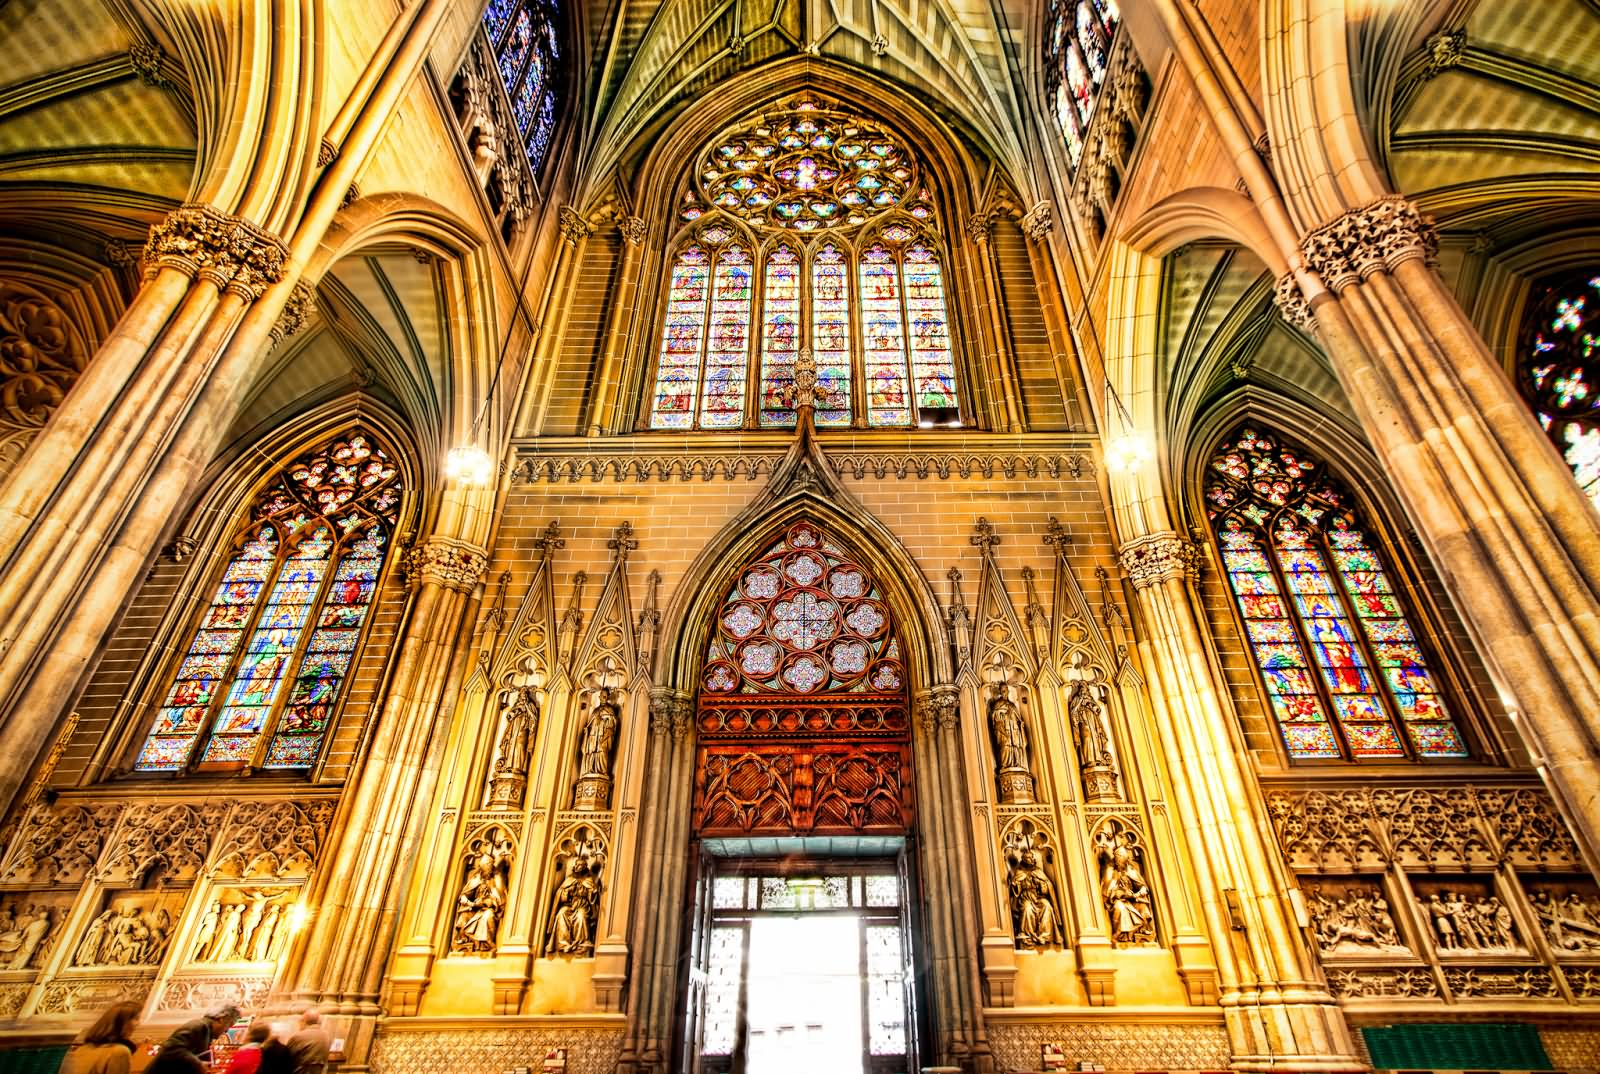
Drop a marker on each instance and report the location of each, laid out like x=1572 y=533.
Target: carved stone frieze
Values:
x=1568 y=910
x=1159 y=557
x=452 y=1051
x=446 y=562
x=1115 y=1045
x=1467 y=917
x=753 y=466
x=203 y=993
x=65 y=995
x=1407 y=983
x=59 y=845
x=1378 y=236
x=133 y=928
x=1583 y=980
x=12 y=997
x=297 y=311
x=30 y=925
x=1352 y=918
x=1364 y=830
x=1477 y=983
x=244 y=924
x=173 y=839
x=230 y=251
x=277 y=840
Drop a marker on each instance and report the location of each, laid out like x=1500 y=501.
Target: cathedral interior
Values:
x=770 y=536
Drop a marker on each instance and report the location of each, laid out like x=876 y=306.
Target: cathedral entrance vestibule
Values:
x=801 y=949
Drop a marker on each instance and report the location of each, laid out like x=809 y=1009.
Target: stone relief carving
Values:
x=1507 y=984
x=65 y=997
x=1569 y=913
x=170 y=840
x=481 y=903
x=244 y=925
x=1159 y=557
x=1352 y=918
x=228 y=250
x=203 y=993
x=1377 y=984
x=595 y=746
x=1035 y=909
x=446 y=562
x=133 y=929
x=1008 y=729
x=1377 y=236
x=1123 y=885
x=1467 y=918
x=575 y=906
x=487 y=123
x=59 y=846
x=519 y=722
x=1086 y=712
x=29 y=924
x=276 y=840
x=709 y=467
x=42 y=352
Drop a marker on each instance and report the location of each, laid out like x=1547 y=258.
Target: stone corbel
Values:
x=1160 y=557
x=446 y=562
x=297 y=311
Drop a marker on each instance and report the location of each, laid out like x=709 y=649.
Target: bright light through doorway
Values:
x=804 y=998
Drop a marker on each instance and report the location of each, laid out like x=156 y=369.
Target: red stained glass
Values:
x=780 y=335
x=830 y=333
x=678 y=375
x=883 y=326
x=1373 y=678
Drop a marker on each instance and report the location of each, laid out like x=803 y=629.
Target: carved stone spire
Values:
x=985 y=539
x=549 y=542
x=622 y=542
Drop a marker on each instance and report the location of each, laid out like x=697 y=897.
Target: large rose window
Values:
x=803 y=619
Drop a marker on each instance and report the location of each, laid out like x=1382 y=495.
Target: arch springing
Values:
x=1304 y=571
x=298 y=587
x=1558 y=371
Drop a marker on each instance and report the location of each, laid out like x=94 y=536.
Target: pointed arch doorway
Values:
x=802 y=950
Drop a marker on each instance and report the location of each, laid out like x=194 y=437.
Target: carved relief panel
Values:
x=580 y=862
x=1568 y=910
x=1351 y=918
x=1467 y=917
x=30 y=925
x=242 y=924
x=1029 y=856
x=132 y=928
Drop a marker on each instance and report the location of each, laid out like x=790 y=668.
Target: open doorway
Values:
x=802 y=971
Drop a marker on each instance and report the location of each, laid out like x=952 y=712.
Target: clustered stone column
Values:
x=1279 y=1012
x=663 y=860
x=342 y=960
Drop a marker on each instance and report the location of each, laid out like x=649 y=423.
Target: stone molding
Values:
x=446 y=562
x=671 y=712
x=1292 y=304
x=1159 y=557
x=297 y=311
x=206 y=243
x=1376 y=237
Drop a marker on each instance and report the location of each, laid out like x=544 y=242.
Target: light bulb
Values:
x=1127 y=452
x=470 y=465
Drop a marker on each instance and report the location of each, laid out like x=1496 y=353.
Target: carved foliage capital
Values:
x=939 y=708
x=228 y=250
x=1378 y=236
x=573 y=226
x=671 y=712
x=302 y=303
x=1291 y=302
x=446 y=562
x=633 y=229
x=1160 y=557
x=1038 y=223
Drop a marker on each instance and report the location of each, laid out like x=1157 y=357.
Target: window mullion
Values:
x=705 y=336
x=858 y=339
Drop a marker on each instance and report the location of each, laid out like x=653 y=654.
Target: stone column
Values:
x=1516 y=540
x=979 y=229
x=1280 y=1015
x=602 y=419
x=938 y=914
x=342 y=960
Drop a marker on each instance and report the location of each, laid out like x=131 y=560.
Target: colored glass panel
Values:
x=497 y=16
x=523 y=33
x=678 y=368
x=514 y=50
x=883 y=330
x=1559 y=374
x=1373 y=679
x=933 y=370
x=830 y=333
x=780 y=335
x=183 y=712
x=728 y=345
x=1076 y=55
x=1089 y=41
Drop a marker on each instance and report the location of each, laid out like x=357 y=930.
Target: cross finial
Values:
x=549 y=541
x=1056 y=534
x=985 y=538
x=622 y=542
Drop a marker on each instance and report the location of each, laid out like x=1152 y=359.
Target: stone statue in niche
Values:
x=1009 y=731
x=575 y=909
x=1123 y=885
x=26 y=932
x=520 y=720
x=1354 y=919
x=1571 y=919
x=1086 y=711
x=1035 y=912
x=598 y=739
x=481 y=905
x=1467 y=919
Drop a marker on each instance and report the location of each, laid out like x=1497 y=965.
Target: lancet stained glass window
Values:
x=1077 y=46
x=523 y=34
x=269 y=659
x=825 y=213
x=1559 y=371
x=1342 y=666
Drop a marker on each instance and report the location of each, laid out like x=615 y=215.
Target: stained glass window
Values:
x=1559 y=371
x=844 y=229
x=269 y=658
x=1343 y=669
x=1076 y=51
x=804 y=618
x=526 y=47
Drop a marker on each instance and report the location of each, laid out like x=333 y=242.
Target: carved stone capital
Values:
x=446 y=562
x=146 y=59
x=327 y=153
x=1038 y=223
x=1291 y=302
x=297 y=311
x=668 y=709
x=228 y=250
x=573 y=226
x=1159 y=557
x=633 y=229
x=1378 y=236
x=939 y=707
x=980 y=227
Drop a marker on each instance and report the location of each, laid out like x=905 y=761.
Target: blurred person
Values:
x=106 y=1047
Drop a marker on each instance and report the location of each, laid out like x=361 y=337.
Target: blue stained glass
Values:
x=527 y=46
x=496 y=16
x=515 y=48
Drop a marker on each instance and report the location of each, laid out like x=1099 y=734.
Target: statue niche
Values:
x=1035 y=910
x=1123 y=885
x=1086 y=711
x=597 y=741
x=575 y=907
x=1009 y=732
x=481 y=903
x=519 y=722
